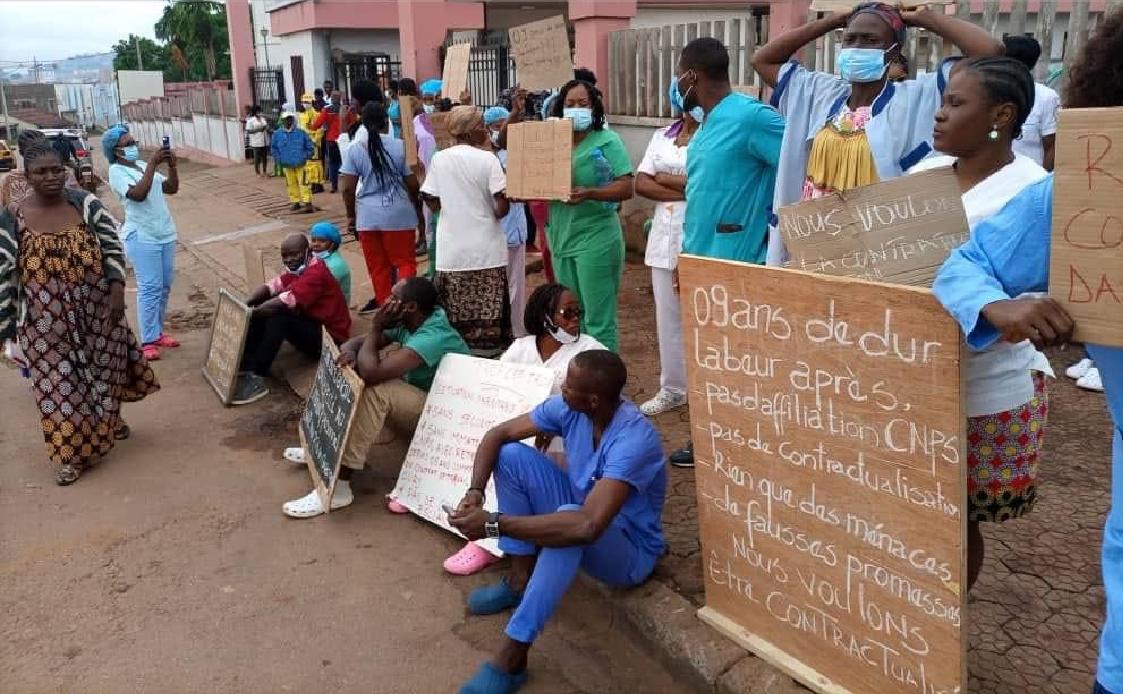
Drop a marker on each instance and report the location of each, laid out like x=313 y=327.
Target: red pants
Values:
x=384 y=251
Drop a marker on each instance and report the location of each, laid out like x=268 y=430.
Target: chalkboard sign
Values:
x=828 y=438
x=469 y=396
x=228 y=339
x=898 y=231
x=326 y=422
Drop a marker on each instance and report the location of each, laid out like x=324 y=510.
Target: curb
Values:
x=707 y=661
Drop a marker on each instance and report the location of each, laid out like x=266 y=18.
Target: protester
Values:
x=602 y=513
x=985 y=104
x=318 y=101
x=841 y=133
x=335 y=117
x=292 y=148
x=982 y=284
x=257 y=128
x=405 y=88
x=363 y=92
x=1039 y=134
x=313 y=168
x=661 y=177
x=396 y=383
x=325 y=241
x=62 y=315
x=514 y=226
x=466 y=184
x=553 y=326
x=14 y=186
x=148 y=231
x=730 y=165
x=384 y=214
x=586 y=241
x=294 y=307
x=426 y=147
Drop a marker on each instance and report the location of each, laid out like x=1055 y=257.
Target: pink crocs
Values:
x=394 y=507
x=469 y=560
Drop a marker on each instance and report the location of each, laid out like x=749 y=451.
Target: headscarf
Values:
x=463 y=120
x=888 y=14
x=327 y=231
x=110 y=139
x=495 y=114
x=430 y=87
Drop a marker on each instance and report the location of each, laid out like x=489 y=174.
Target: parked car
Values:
x=77 y=138
x=7 y=159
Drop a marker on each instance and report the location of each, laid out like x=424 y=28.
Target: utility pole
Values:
x=139 y=59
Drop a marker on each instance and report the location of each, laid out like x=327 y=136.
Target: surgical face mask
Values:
x=430 y=108
x=862 y=64
x=298 y=269
x=560 y=335
x=494 y=135
x=674 y=96
x=321 y=254
x=696 y=111
x=582 y=118
x=130 y=153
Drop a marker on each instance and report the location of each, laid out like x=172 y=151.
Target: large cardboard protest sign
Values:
x=409 y=138
x=541 y=52
x=326 y=421
x=898 y=231
x=469 y=396
x=828 y=438
x=228 y=339
x=1086 y=267
x=455 y=76
x=539 y=160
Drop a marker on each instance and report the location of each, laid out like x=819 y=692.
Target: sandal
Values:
x=68 y=474
x=469 y=560
x=150 y=351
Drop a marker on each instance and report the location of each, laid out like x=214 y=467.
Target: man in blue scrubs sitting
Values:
x=731 y=165
x=602 y=514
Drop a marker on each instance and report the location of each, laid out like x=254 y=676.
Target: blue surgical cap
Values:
x=495 y=114
x=430 y=87
x=110 y=139
x=326 y=231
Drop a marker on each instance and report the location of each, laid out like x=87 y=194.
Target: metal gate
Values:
x=491 y=70
x=351 y=68
x=268 y=89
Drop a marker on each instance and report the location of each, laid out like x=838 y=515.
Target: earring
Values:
x=993 y=135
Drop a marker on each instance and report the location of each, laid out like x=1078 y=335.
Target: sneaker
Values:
x=664 y=401
x=369 y=308
x=309 y=506
x=307 y=208
x=295 y=206
x=295 y=455
x=166 y=340
x=251 y=388
x=1079 y=368
x=683 y=457
x=494 y=599
x=1091 y=380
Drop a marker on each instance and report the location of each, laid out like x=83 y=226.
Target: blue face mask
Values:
x=130 y=153
x=678 y=100
x=429 y=108
x=675 y=96
x=861 y=64
x=582 y=118
x=321 y=254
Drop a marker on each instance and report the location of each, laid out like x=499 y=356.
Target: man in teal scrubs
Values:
x=730 y=165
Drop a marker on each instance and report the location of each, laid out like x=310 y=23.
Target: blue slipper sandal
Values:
x=491 y=680
x=493 y=599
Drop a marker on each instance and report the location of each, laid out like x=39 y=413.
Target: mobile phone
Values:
x=166 y=143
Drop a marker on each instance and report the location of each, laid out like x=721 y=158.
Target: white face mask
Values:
x=560 y=335
x=494 y=134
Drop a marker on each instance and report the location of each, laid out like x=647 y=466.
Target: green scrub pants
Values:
x=596 y=280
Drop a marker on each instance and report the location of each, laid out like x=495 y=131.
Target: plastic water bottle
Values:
x=603 y=172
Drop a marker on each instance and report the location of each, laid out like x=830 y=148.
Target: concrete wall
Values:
x=313 y=47
x=650 y=18
x=134 y=85
x=213 y=139
x=365 y=41
x=505 y=17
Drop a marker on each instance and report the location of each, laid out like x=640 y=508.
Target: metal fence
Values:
x=491 y=69
x=378 y=68
x=268 y=88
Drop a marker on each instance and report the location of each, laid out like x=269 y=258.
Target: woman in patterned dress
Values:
x=62 y=297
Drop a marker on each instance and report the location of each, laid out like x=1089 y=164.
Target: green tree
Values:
x=154 y=55
x=198 y=29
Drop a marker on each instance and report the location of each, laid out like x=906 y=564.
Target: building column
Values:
x=422 y=28
x=240 y=31
x=785 y=15
x=593 y=20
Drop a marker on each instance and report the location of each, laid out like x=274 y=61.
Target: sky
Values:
x=57 y=29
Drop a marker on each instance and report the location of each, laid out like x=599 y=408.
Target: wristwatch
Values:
x=491 y=526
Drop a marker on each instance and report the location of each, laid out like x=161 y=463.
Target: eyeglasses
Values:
x=570 y=313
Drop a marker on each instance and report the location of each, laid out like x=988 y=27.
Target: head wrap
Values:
x=110 y=139
x=306 y=98
x=887 y=13
x=326 y=231
x=463 y=120
x=430 y=87
x=495 y=114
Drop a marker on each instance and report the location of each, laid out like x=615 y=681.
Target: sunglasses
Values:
x=570 y=313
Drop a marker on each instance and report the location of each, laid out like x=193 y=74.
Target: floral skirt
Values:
x=478 y=306
x=1002 y=455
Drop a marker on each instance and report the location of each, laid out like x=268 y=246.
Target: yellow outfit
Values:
x=313 y=168
x=299 y=190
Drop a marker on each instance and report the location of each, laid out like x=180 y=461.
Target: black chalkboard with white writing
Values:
x=327 y=417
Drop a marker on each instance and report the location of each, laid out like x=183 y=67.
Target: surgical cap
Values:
x=110 y=139
x=495 y=114
x=430 y=87
x=326 y=231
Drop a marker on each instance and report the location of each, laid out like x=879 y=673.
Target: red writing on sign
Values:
x=1081 y=292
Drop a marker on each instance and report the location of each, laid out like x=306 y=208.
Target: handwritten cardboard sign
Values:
x=455 y=76
x=539 y=160
x=228 y=339
x=326 y=421
x=897 y=231
x=1086 y=267
x=469 y=396
x=828 y=438
x=541 y=52
x=409 y=138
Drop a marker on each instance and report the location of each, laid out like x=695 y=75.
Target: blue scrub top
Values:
x=730 y=179
x=630 y=451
